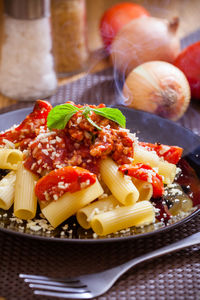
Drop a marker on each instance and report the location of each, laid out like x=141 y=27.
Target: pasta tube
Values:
x=25 y=201
x=141 y=213
x=142 y=155
x=85 y=214
x=145 y=189
x=67 y=205
x=9 y=158
x=165 y=169
x=168 y=171
x=121 y=186
x=7 y=190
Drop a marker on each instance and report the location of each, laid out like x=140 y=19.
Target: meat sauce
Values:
x=79 y=144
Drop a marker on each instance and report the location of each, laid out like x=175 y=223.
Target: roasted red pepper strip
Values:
x=172 y=154
x=26 y=129
x=145 y=173
x=59 y=181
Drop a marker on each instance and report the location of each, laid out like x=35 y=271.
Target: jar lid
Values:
x=27 y=9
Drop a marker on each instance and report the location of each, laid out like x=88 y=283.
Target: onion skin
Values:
x=116 y=17
x=158 y=87
x=145 y=39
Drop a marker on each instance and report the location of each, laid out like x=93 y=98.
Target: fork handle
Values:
x=191 y=240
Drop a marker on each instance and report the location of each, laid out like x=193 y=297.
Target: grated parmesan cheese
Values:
x=8 y=144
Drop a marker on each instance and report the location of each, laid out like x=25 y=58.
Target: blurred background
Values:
x=186 y=10
x=77 y=47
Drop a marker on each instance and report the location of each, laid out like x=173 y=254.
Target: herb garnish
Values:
x=60 y=115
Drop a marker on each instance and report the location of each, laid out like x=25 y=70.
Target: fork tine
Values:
x=46 y=278
x=56 y=283
x=57 y=288
x=64 y=295
x=77 y=284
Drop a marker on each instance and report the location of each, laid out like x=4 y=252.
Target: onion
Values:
x=158 y=87
x=145 y=39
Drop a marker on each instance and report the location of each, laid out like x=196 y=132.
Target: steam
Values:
x=120 y=77
x=119 y=80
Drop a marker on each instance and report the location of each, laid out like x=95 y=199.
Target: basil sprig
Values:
x=60 y=115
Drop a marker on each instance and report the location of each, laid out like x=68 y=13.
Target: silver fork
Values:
x=93 y=285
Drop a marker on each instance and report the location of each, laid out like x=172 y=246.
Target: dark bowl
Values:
x=149 y=128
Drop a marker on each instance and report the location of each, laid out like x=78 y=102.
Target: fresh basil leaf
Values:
x=86 y=113
x=93 y=123
x=60 y=115
x=113 y=114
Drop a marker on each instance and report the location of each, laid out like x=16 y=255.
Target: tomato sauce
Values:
x=59 y=181
x=79 y=144
x=28 y=128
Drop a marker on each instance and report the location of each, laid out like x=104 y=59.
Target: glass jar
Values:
x=27 y=65
x=69 y=36
x=1 y=24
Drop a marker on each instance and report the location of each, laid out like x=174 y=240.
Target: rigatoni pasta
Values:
x=25 y=201
x=9 y=158
x=139 y=214
x=121 y=186
x=76 y=160
x=144 y=188
x=7 y=190
x=67 y=205
x=164 y=168
x=142 y=155
x=167 y=170
x=87 y=213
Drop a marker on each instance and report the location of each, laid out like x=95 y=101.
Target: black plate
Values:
x=148 y=128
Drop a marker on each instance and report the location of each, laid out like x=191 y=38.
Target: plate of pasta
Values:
x=85 y=173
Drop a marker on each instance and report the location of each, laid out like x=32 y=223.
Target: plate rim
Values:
x=102 y=240
x=113 y=239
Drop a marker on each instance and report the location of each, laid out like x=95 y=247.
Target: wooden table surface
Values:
x=186 y=10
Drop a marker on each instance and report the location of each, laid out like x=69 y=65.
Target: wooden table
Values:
x=186 y=10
